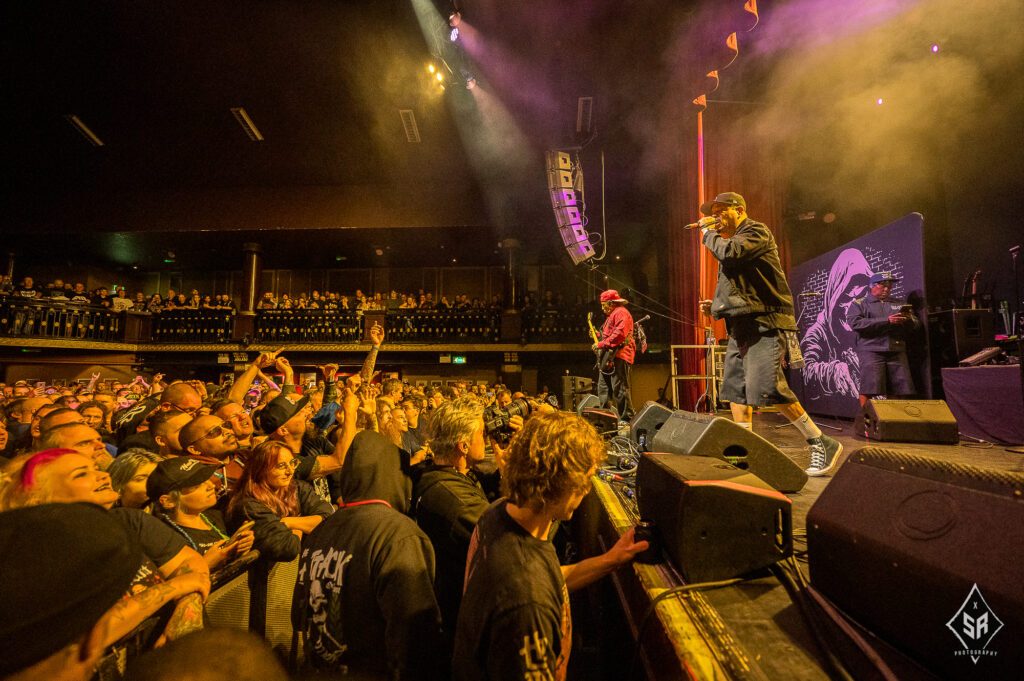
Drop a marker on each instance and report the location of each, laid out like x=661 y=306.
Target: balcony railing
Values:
x=193 y=326
x=308 y=326
x=54 y=320
x=30 y=319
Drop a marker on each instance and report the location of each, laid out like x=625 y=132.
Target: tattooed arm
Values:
x=377 y=337
x=132 y=611
x=186 y=618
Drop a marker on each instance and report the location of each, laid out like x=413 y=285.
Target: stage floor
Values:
x=774 y=427
x=756 y=621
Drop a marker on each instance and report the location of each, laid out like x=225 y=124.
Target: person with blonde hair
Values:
x=514 y=619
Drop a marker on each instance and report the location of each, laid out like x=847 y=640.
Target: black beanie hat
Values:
x=63 y=567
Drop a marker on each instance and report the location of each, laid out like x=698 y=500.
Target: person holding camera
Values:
x=449 y=497
x=883 y=323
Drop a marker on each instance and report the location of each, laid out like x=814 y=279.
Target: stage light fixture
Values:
x=431 y=68
x=440 y=78
x=935 y=48
x=879 y=101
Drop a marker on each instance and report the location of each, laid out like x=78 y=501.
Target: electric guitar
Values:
x=605 y=356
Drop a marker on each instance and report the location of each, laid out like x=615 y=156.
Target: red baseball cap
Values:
x=612 y=296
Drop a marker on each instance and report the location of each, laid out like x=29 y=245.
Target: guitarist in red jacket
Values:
x=617 y=349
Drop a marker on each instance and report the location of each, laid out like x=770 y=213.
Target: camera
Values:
x=497 y=420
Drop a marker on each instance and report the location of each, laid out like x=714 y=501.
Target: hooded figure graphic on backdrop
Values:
x=828 y=345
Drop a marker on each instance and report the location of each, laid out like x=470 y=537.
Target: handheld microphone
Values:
x=642 y=319
x=697 y=225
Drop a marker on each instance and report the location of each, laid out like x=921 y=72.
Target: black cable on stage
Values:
x=674 y=591
x=796 y=594
x=840 y=621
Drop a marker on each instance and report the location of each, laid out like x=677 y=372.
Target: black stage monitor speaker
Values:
x=707 y=435
x=907 y=421
x=927 y=554
x=605 y=420
x=646 y=423
x=587 y=402
x=714 y=520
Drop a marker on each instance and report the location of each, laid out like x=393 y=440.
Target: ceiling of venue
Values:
x=326 y=84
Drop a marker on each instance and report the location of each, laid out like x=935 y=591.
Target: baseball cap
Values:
x=177 y=473
x=882 y=276
x=47 y=546
x=612 y=296
x=728 y=198
x=279 y=410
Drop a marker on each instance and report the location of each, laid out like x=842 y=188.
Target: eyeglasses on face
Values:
x=216 y=431
x=289 y=465
x=190 y=412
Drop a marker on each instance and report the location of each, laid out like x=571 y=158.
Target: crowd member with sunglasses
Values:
x=211 y=441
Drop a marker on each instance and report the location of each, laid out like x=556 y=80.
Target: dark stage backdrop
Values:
x=823 y=289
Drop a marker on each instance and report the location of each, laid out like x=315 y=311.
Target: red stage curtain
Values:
x=733 y=162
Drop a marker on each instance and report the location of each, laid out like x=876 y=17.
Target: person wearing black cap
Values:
x=754 y=298
x=883 y=324
x=184 y=495
x=49 y=632
x=616 y=339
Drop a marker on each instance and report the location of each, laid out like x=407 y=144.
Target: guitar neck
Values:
x=593 y=331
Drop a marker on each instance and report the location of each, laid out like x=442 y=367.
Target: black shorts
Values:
x=753 y=366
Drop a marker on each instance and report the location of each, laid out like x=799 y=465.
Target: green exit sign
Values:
x=458 y=359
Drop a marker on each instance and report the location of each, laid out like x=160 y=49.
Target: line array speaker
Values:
x=563 y=178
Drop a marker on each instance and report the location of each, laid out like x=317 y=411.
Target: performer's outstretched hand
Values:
x=705 y=307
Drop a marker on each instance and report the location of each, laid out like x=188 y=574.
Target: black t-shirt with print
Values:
x=313 y=447
x=514 y=621
x=202 y=540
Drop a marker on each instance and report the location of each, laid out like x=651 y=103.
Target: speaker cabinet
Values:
x=713 y=520
x=687 y=432
x=955 y=334
x=646 y=423
x=926 y=554
x=604 y=420
x=907 y=421
x=587 y=402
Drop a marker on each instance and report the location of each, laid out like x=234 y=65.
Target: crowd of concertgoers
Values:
x=119 y=299
x=119 y=501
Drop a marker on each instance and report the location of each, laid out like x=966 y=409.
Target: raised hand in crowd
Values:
x=377 y=334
